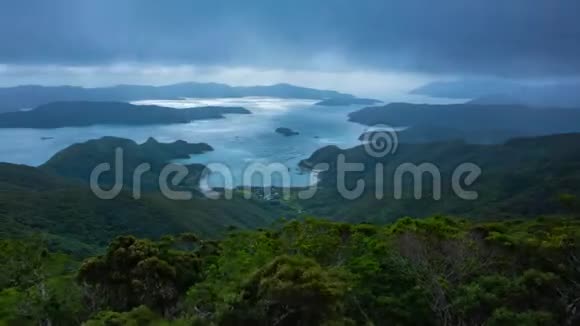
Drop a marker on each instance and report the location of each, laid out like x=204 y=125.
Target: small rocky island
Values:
x=177 y=150
x=287 y=132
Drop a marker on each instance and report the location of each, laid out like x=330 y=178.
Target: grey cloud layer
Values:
x=495 y=37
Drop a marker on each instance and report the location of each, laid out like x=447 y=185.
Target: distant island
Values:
x=29 y=96
x=80 y=114
x=476 y=123
x=498 y=91
x=348 y=101
x=287 y=132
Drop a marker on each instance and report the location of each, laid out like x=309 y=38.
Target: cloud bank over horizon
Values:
x=68 y=41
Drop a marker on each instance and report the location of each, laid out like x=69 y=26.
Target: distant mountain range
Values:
x=23 y=97
x=79 y=114
x=491 y=91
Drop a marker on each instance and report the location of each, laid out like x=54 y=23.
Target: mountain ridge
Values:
x=28 y=96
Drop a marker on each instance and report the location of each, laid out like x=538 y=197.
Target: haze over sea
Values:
x=238 y=140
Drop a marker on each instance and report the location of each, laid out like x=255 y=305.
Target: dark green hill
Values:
x=522 y=177
x=76 y=221
x=55 y=199
x=79 y=114
x=79 y=160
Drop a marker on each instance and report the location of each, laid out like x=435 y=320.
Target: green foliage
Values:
x=290 y=290
x=140 y=316
x=505 y=317
x=136 y=272
x=36 y=285
x=434 y=271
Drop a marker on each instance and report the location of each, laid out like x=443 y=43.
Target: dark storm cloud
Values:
x=494 y=37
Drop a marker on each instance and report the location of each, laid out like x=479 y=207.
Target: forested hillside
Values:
x=435 y=271
x=521 y=177
x=73 y=220
x=509 y=258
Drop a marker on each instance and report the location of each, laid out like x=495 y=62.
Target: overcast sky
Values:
x=363 y=45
